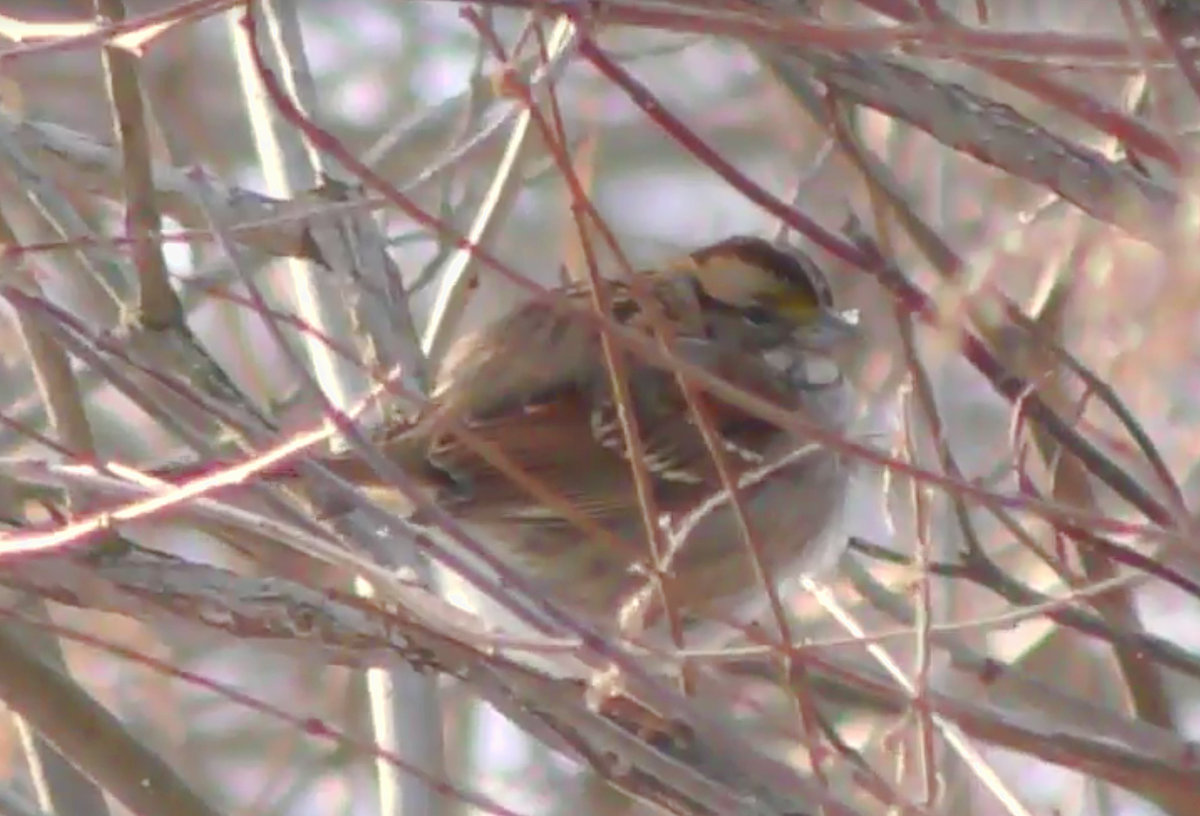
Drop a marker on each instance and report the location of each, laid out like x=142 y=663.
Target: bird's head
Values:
x=777 y=293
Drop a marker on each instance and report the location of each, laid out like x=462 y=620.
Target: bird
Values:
x=534 y=388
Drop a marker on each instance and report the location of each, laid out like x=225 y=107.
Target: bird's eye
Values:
x=758 y=315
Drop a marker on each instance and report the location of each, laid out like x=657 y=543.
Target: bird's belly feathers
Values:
x=708 y=563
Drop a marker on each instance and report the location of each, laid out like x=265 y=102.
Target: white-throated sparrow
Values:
x=534 y=387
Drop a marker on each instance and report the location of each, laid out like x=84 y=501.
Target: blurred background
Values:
x=1053 y=163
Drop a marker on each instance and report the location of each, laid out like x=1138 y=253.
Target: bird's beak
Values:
x=830 y=329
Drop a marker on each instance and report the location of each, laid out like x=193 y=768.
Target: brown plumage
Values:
x=534 y=387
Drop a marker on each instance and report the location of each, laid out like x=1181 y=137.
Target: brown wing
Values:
x=672 y=439
x=534 y=386
x=525 y=359
x=539 y=351
x=549 y=444
x=573 y=445
x=523 y=386
x=554 y=446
